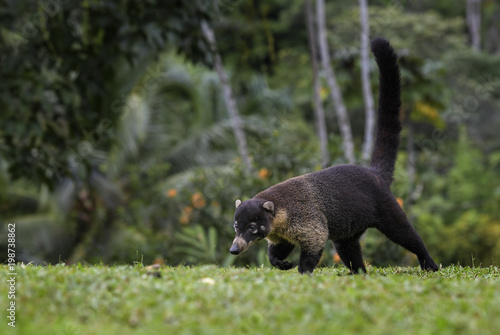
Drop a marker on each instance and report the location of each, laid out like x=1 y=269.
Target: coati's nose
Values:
x=234 y=249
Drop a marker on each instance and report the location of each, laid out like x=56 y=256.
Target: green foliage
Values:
x=256 y=32
x=199 y=246
x=210 y=300
x=424 y=94
x=456 y=209
x=476 y=101
x=179 y=171
x=473 y=239
x=393 y=22
x=64 y=95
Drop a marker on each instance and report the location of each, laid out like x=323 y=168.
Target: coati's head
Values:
x=252 y=222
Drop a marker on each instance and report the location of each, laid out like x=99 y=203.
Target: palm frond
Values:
x=184 y=178
x=131 y=132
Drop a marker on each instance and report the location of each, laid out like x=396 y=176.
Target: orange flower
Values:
x=187 y=210
x=336 y=258
x=159 y=260
x=197 y=200
x=184 y=219
x=171 y=193
x=400 y=202
x=264 y=173
x=186 y=215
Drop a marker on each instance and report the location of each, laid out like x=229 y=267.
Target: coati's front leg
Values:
x=312 y=242
x=309 y=260
x=277 y=254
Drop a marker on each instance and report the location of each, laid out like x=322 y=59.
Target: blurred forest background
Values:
x=127 y=131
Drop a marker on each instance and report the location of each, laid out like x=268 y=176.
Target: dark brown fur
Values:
x=337 y=203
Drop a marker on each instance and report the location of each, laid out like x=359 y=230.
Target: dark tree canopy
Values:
x=63 y=81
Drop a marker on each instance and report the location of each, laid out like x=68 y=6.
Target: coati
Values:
x=337 y=203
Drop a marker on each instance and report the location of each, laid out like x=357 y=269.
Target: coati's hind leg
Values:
x=277 y=254
x=350 y=254
x=396 y=227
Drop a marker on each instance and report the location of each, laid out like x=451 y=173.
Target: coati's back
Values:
x=356 y=191
x=356 y=188
x=347 y=196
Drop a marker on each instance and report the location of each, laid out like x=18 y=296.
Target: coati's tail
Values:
x=386 y=145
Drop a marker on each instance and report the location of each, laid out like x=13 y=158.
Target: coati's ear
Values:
x=269 y=206
x=238 y=203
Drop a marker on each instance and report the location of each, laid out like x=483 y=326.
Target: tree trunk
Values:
x=336 y=94
x=474 y=23
x=318 y=105
x=365 y=80
x=492 y=44
x=227 y=92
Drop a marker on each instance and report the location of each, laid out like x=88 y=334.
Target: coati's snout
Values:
x=251 y=223
x=235 y=249
x=239 y=245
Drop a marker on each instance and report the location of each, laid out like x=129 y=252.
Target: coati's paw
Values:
x=308 y=262
x=431 y=267
x=428 y=265
x=284 y=265
x=305 y=271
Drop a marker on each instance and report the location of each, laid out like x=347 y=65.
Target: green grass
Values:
x=210 y=300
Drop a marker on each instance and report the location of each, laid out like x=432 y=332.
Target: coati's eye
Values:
x=235 y=226
x=253 y=228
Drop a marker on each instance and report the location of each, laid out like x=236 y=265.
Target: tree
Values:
x=365 y=80
x=335 y=93
x=67 y=84
x=55 y=124
x=229 y=100
x=492 y=44
x=474 y=23
x=318 y=104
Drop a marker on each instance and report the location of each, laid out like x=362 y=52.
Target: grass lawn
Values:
x=211 y=300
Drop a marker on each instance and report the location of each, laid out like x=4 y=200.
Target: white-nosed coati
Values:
x=337 y=203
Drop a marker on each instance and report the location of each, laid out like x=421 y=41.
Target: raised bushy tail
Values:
x=386 y=145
